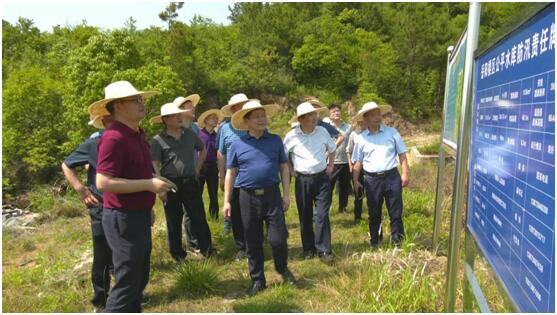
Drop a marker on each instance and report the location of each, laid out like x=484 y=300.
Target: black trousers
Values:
x=236 y=220
x=102 y=258
x=341 y=173
x=310 y=191
x=128 y=233
x=256 y=210
x=188 y=197
x=388 y=189
x=359 y=198
x=210 y=175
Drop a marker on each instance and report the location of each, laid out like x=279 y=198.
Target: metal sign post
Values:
x=440 y=166
x=461 y=159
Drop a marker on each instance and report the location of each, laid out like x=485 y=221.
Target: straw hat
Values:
x=238 y=99
x=166 y=110
x=180 y=100
x=306 y=108
x=238 y=117
x=203 y=117
x=96 y=121
x=114 y=91
x=371 y=106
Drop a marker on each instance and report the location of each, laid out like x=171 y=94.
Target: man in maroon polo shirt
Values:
x=125 y=176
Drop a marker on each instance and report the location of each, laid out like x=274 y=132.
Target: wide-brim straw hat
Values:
x=167 y=110
x=307 y=108
x=203 y=117
x=371 y=106
x=237 y=99
x=96 y=121
x=180 y=100
x=238 y=118
x=114 y=91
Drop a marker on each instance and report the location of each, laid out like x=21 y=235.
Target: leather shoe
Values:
x=288 y=277
x=255 y=288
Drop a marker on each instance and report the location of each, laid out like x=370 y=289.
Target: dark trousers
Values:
x=128 y=233
x=388 y=189
x=102 y=258
x=210 y=175
x=256 y=210
x=341 y=173
x=236 y=220
x=316 y=190
x=188 y=197
x=359 y=198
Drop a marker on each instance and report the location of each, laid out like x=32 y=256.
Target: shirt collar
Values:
x=381 y=129
x=265 y=135
x=164 y=133
x=125 y=129
x=301 y=132
x=207 y=132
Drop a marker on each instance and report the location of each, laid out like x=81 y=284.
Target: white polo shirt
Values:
x=308 y=152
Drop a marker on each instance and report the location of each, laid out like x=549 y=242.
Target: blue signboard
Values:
x=511 y=191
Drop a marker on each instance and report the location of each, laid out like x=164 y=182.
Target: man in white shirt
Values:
x=311 y=152
x=375 y=153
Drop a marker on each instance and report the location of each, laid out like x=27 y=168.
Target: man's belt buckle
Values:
x=259 y=192
x=380 y=174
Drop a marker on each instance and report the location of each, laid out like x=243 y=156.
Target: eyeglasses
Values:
x=137 y=98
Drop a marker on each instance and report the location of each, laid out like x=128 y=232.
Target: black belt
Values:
x=381 y=174
x=259 y=191
x=314 y=175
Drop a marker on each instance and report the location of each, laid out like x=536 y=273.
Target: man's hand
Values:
x=405 y=179
x=330 y=169
x=87 y=197
x=161 y=185
x=285 y=202
x=152 y=217
x=226 y=210
x=350 y=167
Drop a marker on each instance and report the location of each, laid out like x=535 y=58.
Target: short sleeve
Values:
x=282 y=152
x=80 y=156
x=288 y=143
x=156 y=149
x=232 y=157
x=221 y=147
x=111 y=156
x=198 y=144
x=357 y=154
x=399 y=143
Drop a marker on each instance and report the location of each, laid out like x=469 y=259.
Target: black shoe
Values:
x=374 y=246
x=308 y=254
x=357 y=220
x=288 y=277
x=326 y=257
x=179 y=259
x=255 y=288
x=240 y=255
x=98 y=309
x=342 y=209
x=211 y=252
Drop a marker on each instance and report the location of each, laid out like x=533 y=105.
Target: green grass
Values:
x=40 y=275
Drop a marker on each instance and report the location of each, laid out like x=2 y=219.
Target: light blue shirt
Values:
x=227 y=135
x=378 y=152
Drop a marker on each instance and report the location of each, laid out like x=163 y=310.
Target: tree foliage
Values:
x=392 y=53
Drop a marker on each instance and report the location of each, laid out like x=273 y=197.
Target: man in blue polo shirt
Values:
x=376 y=151
x=256 y=159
